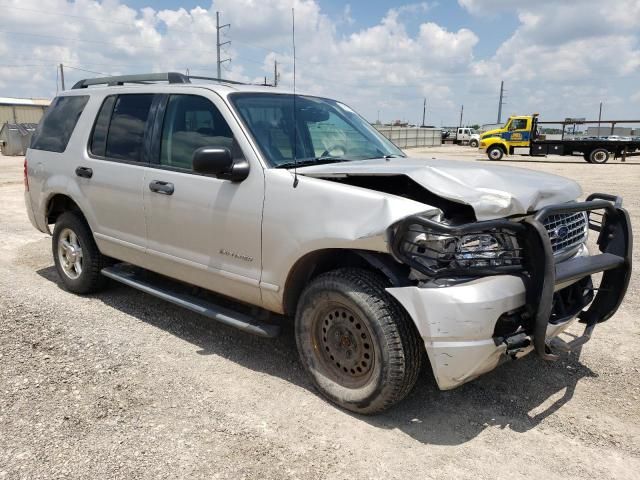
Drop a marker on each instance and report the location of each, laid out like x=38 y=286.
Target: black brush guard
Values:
x=543 y=276
x=615 y=241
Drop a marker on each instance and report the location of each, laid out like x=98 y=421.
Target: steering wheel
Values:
x=333 y=148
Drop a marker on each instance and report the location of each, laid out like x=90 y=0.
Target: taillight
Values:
x=26 y=177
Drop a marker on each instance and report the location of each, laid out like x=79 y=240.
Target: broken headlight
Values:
x=435 y=252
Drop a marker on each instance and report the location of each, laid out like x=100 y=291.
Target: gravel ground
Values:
x=120 y=385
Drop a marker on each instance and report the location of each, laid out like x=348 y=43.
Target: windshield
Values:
x=324 y=130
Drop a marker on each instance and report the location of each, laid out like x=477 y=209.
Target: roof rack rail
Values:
x=144 y=78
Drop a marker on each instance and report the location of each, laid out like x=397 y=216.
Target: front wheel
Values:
x=360 y=347
x=473 y=143
x=495 y=153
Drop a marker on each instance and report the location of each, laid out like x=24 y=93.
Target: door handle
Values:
x=84 y=172
x=164 y=188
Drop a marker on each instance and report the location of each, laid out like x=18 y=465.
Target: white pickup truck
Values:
x=467 y=135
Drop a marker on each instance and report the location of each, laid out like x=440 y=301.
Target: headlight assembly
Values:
x=436 y=249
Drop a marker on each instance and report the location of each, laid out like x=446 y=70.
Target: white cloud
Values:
x=566 y=56
x=558 y=60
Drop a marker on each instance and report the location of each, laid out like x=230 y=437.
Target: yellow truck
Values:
x=519 y=136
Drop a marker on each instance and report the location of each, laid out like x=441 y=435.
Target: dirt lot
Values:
x=119 y=385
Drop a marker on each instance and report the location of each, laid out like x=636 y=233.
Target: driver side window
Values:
x=191 y=122
x=518 y=124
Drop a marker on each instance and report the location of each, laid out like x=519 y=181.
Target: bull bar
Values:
x=542 y=276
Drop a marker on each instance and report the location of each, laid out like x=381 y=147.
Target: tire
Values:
x=495 y=153
x=599 y=155
x=473 y=143
x=76 y=255
x=587 y=157
x=358 y=344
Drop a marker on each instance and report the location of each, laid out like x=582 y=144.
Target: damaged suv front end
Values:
x=496 y=289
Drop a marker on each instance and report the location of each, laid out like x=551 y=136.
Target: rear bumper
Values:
x=458 y=323
x=29 y=208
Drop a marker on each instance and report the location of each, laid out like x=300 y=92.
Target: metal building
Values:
x=15 y=138
x=605 y=129
x=22 y=110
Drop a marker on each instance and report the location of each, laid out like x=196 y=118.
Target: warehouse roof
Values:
x=24 y=101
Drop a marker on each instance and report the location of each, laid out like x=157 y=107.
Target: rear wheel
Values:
x=599 y=155
x=587 y=157
x=76 y=255
x=495 y=153
x=360 y=347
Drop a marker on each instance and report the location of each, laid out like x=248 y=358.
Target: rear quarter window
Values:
x=58 y=123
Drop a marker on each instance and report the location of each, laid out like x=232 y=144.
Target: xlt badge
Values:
x=235 y=255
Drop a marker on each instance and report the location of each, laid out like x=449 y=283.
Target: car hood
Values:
x=493 y=191
x=492 y=132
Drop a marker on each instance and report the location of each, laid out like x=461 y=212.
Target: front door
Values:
x=201 y=229
x=518 y=133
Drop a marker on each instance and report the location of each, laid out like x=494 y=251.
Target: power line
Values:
x=85 y=70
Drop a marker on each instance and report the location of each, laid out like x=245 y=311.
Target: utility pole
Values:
x=218 y=44
x=500 y=102
x=424 y=111
x=276 y=75
x=62 y=76
x=461 y=112
x=599 y=118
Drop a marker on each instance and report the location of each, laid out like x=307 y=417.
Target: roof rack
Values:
x=145 y=78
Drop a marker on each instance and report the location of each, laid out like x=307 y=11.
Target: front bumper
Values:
x=457 y=323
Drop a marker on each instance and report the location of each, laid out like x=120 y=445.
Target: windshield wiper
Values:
x=312 y=161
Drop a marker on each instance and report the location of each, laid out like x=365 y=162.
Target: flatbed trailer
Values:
x=520 y=136
x=593 y=151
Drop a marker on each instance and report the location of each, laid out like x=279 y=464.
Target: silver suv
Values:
x=283 y=206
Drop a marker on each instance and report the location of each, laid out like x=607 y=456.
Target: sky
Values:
x=383 y=58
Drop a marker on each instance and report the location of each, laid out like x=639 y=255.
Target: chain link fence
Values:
x=411 y=137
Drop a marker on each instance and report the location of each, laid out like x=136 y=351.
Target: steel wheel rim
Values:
x=599 y=157
x=70 y=253
x=343 y=346
x=495 y=154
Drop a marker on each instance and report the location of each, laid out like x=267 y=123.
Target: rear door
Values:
x=201 y=229
x=111 y=176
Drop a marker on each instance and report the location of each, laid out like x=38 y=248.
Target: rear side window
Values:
x=58 y=122
x=126 y=131
x=99 y=138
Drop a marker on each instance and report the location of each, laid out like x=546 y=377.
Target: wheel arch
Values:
x=59 y=203
x=501 y=145
x=321 y=261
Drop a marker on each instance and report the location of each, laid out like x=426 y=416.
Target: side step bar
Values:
x=210 y=310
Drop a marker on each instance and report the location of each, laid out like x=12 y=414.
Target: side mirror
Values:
x=219 y=162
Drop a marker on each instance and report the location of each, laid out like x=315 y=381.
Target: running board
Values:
x=241 y=321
